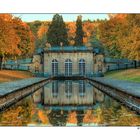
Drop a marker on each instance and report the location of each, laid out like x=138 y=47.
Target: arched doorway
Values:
x=68 y=88
x=68 y=67
x=82 y=88
x=55 y=88
x=82 y=67
x=54 y=67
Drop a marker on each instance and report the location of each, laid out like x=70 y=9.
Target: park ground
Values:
x=132 y=75
x=11 y=75
x=128 y=75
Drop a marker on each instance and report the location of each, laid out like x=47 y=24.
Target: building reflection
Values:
x=66 y=93
x=80 y=116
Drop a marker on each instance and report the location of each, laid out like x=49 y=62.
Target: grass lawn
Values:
x=11 y=75
x=128 y=75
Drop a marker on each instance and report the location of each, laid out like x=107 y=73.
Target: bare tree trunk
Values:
x=1 y=58
x=135 y=64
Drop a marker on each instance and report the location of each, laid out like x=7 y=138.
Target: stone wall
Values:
x=99 y=65
x=118 y=64
x=36 y=64
x=74 y=57
x=94 y=63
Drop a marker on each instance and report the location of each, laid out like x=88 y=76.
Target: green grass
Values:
x=128 y=75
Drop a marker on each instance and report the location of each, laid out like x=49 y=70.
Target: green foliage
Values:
x=120 y=36
x=34 y=26
x=79 y=32
x=41 y=42
x=57 y=31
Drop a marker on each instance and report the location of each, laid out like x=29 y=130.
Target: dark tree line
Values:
x=58 y=33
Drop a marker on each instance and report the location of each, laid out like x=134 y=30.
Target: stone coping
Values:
x=9 y=87
x=130 y=88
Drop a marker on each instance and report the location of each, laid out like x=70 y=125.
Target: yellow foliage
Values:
x=43 y=117
x=72 y=118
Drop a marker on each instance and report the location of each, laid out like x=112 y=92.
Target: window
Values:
x=55 y=89
x=68 y=67
x=82 y=67
x=82 y=88
x=54 y=67
x=68 y=88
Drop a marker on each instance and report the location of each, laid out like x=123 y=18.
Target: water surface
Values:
x=69 y=103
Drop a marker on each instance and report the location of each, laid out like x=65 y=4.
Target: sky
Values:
x=66 y=17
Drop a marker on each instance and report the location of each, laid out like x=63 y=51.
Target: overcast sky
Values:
x=66 y=17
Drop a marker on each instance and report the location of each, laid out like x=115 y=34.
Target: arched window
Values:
x=55 y=88
x=82 y=88
x=54 y=67
x=68 y=88
x=82 y=67
x=68 y=67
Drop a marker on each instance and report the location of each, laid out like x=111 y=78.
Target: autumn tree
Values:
x=26 y=44
x=42 y=31
x=108 y=34
x=57 y=31
x=9 y=40
x=79 y=32
x=95 y=42
x=88 y=29
x=34 y=26
x=120 y=35
x=71 y=26
x=129 y=37
x=16 y=38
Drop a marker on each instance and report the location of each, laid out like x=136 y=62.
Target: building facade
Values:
x=69 y=61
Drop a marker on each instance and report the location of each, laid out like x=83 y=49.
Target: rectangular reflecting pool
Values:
x=69 y=103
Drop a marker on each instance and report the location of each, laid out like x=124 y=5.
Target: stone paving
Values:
x=8 y=87
x=125 y=86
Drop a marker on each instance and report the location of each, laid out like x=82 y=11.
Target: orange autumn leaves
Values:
x=42 y=31
x=88 y=28
x=26 y=44
x=43 y=117
x=120 y=35
x=87 y=119
x=8 y=38
x=14 y=35
x=72 y=118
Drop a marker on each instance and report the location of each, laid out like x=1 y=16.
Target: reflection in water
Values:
x=72 y=118
x=55 y=89
x=58 y=117
x=68 y=89
x=43 y=118
x=69 y=103
x=80 y=115
x=67 y=93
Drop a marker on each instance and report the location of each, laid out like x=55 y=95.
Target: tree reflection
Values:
x=58 y=117
x=17 y=115
x=43 y=117
x=72 y=117
x=89 y=117
x=80 y=115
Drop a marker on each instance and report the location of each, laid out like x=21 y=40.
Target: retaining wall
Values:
x=11 y=92
x=127 y=93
